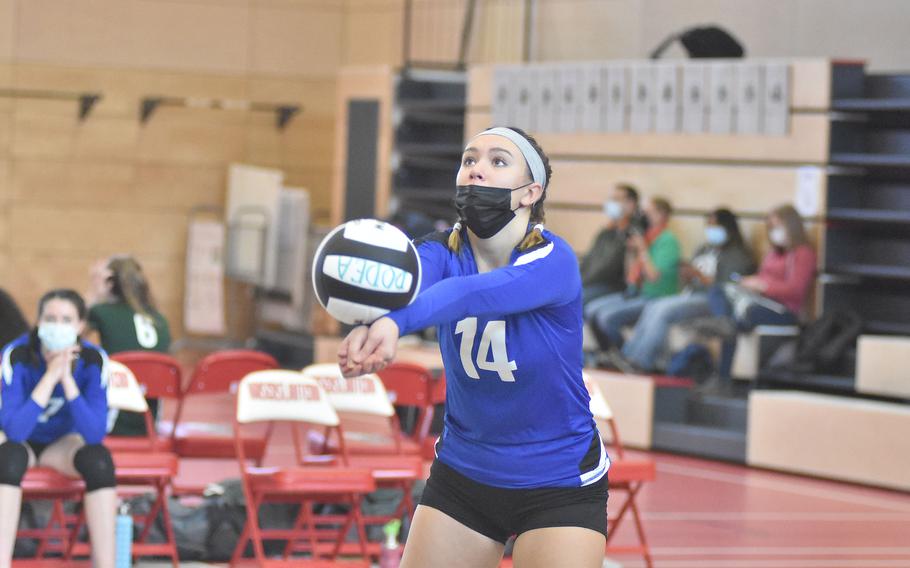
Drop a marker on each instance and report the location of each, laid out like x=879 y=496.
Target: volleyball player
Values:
x=54 y=414
x=519 y=453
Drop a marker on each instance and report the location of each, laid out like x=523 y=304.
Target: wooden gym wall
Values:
x=74 y=191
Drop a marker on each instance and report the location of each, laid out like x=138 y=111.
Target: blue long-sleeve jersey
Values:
x=517 y=411
x=21 y=418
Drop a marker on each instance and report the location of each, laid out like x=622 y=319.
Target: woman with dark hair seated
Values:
x=54 y=414
x=723 y=254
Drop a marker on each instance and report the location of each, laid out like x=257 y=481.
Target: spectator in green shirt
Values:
x=124 y=314
x=652 y=271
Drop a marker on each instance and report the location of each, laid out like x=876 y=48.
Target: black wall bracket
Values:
x=283 y=112
x=87 y=101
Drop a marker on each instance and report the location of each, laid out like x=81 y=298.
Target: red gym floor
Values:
x=703 y=514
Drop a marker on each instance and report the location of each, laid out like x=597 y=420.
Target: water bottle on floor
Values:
x=390 y=555
x=124 y=538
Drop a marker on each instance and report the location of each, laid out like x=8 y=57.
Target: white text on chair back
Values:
x=123 y=390
x=283 y=395
x=365 y=394
x=599 y=406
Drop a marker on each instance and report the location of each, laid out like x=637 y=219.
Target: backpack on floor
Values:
x=823 y=346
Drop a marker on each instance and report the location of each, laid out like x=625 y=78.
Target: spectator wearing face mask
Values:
x=54 y=414
x=723 y=254
x=603 y=267
x=781 y=286
x=652 y=272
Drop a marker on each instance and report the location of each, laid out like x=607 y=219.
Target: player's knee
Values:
x=13 y=463
x=95 y=465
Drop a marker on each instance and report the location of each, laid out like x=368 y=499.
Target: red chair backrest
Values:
x=438 y=390
x=408 y=384
x=220 y=372
x=157 y=373
x=274 y=396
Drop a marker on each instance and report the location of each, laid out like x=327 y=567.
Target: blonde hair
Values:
x=129 y=285
x=534 y=237
x=793 y=224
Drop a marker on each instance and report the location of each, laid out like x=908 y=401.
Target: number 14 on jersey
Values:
x=493 y=340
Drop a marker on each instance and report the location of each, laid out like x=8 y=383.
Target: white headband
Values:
x=533 y=159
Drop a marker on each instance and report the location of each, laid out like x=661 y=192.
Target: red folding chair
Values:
x=626 y=476
x=365 y=397
x=219 y=374
x=138 y=471
x=378 y=431
x=437 y=398
x=287 y=396
x=159 y=377
x=413 y=390
x=47 y=484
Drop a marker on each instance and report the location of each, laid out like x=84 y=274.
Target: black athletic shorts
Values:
x=37 y=447
x=499 y=513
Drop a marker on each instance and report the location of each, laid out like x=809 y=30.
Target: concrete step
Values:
x=698 y=440
x=718 y=411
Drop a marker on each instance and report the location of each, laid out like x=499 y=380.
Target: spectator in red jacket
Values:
x=776 y=295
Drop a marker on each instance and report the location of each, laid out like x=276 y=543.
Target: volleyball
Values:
x=364 y=269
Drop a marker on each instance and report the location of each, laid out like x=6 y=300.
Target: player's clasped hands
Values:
x=368 y=349
x=60 y=363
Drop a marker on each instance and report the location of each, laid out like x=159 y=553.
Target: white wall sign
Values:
x=203 y=302
x=808 y=190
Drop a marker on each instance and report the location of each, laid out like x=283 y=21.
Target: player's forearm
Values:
x=42 y=392
x=500 y=292
x=90 y=421
x=70 y=388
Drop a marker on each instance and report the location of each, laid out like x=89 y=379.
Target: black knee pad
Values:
x=13 y=463
x=94 y=464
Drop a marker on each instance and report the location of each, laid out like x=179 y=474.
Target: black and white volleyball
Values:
x=364 y=269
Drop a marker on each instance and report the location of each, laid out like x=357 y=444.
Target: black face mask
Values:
x=485 y=210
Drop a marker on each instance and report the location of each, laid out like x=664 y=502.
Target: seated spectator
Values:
x=603 y=267
x=652 y=272
x=126 y=319
x=723 y=255
x=776 y=295
x=54 y=414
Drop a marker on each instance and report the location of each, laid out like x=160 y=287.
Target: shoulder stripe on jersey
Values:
x=104 y=368
x=536 y=254
x=7 y=366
